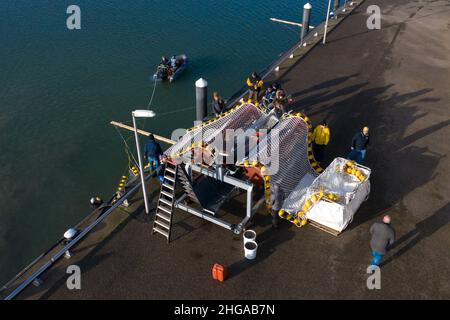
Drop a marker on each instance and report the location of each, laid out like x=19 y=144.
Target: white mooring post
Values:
x=201 y=92
x=306 y=17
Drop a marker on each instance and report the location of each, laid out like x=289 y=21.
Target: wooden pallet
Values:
x=324 y=228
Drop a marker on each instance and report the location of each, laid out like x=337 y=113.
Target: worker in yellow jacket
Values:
x=254 y=84
x=320 y=138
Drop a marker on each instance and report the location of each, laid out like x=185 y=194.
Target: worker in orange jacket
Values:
x=320 y=138
x=254 y=84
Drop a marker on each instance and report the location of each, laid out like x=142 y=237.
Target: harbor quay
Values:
x=393 y=80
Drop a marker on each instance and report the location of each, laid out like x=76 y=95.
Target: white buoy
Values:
x=250 y=249
x=70 y=233
x=249 y=235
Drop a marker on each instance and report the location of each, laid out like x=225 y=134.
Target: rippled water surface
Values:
x=59 y=89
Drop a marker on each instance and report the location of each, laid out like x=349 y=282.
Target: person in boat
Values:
x=218 y=104
x=152 y=152
x=254 y=84
x=163 y=68
x=173 y=62
x=164 y=62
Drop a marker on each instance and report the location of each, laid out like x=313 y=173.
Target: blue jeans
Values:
x=357 y=155
x=376 y=258
x=154 y=163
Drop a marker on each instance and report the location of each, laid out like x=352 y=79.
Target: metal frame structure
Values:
x=208 y=215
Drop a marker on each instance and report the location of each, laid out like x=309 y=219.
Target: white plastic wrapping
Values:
x=337 y=214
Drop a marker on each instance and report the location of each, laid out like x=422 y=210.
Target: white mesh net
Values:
x=212 y=133
x=284 y=152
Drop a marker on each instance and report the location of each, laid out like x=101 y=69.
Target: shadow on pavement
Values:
x=423 y=229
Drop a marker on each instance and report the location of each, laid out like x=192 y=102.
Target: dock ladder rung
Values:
x=162 y=224
x=159 y=215
x=165 y=209
x=167 y=186
x=169 y=178
x=165 y=202
x=171 y=171
x=169 y=195
x=164 y=233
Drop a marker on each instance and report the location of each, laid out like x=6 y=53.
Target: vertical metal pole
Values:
x=326 y=22
x=306 y=17
x=141 y=167
x=201 y=91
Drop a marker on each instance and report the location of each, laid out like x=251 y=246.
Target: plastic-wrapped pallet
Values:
x=348 y=184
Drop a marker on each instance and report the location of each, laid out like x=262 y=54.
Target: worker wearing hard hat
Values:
x=320 y=138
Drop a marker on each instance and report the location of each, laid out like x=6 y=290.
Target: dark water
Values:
x=59 y=89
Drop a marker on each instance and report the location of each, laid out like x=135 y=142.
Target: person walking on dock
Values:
x=360 y=142
x=152 y=152
x=218 y=104
x=276 y=202
x=383 y=236
x=320 y=138
x=254 y=84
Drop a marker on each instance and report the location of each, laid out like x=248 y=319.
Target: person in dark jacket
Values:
x=360 y=142
x=383 y=236
x=269 y=96
x=218 y=104
x=276 y=203
x=152 y=152
x=163 y=68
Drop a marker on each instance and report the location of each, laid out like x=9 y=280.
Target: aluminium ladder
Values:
x=162 y=223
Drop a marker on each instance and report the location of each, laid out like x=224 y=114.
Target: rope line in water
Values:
x=150 y=101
